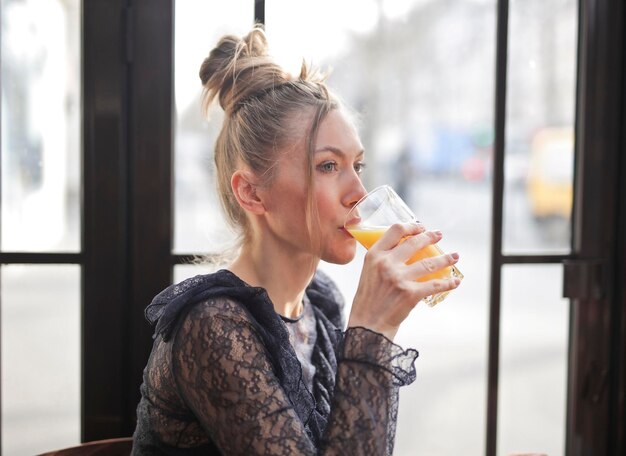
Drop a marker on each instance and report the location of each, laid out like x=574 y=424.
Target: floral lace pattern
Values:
x=212 y=389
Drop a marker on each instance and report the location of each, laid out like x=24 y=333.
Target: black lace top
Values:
x=223 y=377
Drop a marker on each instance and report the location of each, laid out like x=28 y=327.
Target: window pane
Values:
x=420 y=74
x=198 y=223
x=540 y=126
x=184 y=271
x=533 y=360
x=40 y=358
x=41 y=87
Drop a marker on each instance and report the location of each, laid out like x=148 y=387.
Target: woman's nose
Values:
x=356 y=192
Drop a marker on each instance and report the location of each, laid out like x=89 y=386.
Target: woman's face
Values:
x=337 y=164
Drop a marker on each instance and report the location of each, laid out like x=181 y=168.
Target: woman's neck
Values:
x=284 y=274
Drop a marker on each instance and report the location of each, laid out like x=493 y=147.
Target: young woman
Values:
x=253 y=359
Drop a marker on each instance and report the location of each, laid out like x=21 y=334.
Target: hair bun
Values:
x=238 y=68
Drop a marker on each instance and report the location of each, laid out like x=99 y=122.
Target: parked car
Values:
x=550 y=173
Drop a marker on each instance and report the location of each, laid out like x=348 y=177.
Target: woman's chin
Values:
x=340 y=256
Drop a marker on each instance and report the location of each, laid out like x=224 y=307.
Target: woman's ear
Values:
x=244 y=185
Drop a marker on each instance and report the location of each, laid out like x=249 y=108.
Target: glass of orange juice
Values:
x=373 y=214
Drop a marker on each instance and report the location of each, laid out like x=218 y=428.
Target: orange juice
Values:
x=368 y=236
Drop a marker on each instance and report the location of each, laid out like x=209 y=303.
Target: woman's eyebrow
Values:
x=337 y=151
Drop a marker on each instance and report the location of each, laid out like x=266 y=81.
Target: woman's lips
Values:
x=353 y=221
x=346 y=232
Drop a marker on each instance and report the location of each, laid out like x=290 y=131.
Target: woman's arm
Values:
x=365 y=403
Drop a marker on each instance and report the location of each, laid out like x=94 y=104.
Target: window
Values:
x=107 y=194
x=41 y=225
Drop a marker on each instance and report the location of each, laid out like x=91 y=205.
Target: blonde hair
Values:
x=261 y=102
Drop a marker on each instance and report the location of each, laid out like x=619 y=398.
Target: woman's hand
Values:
x=388 y=289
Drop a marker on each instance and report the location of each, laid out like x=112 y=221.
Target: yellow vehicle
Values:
x=550 y=173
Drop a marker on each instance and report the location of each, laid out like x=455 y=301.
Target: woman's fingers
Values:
x=431 y=287
x=430 y=265
x=404 y=251
x=402 y=241
x=439 y=285
x=395 y=234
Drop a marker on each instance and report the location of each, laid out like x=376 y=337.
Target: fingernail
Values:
x=457 y=281
x=455 y=255
x=438 y=233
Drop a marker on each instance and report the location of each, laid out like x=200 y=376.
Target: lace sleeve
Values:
x=365 y=403
x=225 y=377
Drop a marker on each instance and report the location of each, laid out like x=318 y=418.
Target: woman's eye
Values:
x=359 y=167
x=327 y=167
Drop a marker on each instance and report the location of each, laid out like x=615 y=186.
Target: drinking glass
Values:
x=373 y=214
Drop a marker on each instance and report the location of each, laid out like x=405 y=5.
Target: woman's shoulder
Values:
x=219 y=307
x=213 y=321
x=205 y=296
